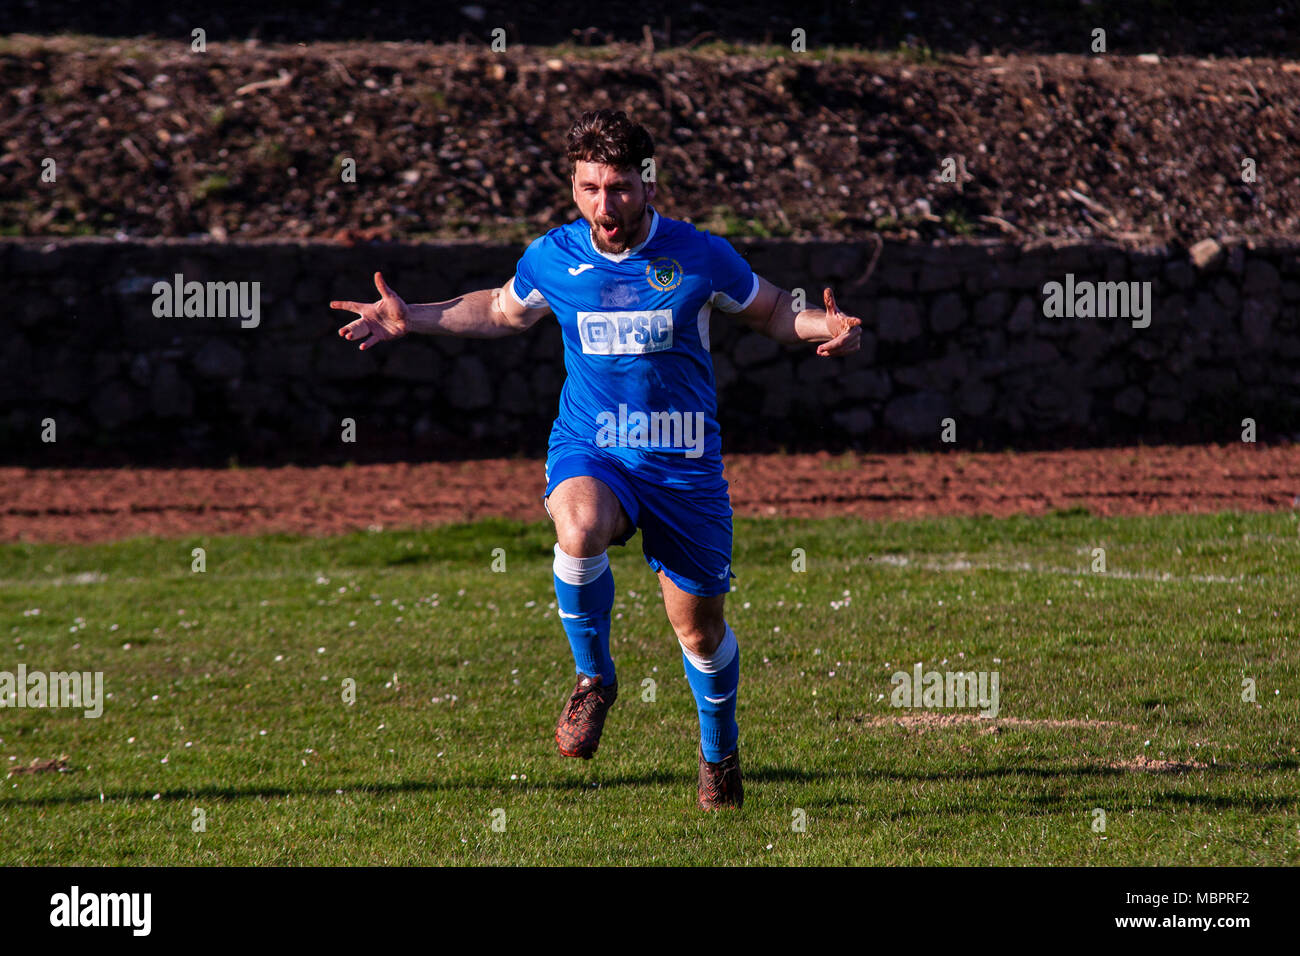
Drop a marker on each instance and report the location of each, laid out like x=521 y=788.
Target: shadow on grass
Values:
x=758 y=775
x=1070 y=803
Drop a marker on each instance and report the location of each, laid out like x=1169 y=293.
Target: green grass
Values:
x=955 y=222
x=234 y=676
x=131 y=49
x=216 y=184
x=914 y=51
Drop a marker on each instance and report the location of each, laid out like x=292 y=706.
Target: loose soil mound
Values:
x=245 y=140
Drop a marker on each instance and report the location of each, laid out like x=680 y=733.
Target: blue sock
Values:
x=714 y=682
x=584 y=593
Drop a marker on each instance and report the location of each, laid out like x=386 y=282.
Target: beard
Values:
x=627 y=226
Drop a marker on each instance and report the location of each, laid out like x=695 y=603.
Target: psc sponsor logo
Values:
x=625 y=333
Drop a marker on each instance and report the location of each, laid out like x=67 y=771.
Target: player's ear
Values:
x=650 y=191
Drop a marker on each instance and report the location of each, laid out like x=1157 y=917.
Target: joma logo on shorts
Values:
x=625 y=333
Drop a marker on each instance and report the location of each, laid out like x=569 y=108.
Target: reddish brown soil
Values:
x=96 y=505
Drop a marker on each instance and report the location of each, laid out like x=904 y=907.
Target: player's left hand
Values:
x=845 y=330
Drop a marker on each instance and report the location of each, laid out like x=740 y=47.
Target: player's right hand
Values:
x=379 y=321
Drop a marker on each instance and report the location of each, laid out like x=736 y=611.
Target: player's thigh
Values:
x=687 y=537
x=698 y=622
x=588 y=515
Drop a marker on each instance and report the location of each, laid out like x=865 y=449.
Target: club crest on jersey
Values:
x=664 y=274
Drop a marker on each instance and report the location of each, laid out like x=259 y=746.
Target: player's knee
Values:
x=582 y=536
x=701 y=636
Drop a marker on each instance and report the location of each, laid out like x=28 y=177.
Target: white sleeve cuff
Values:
x=535 y=299
x=727 y=304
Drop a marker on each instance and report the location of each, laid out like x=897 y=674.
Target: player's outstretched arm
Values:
x=486 y=314
x=772 y=313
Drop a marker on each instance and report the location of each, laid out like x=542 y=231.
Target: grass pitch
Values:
x=227 y=739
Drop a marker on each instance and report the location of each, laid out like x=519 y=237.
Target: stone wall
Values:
x=954 y=330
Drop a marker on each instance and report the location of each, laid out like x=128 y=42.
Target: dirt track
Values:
x=88 y=505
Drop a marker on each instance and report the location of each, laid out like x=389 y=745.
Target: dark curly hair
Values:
x=610 y=138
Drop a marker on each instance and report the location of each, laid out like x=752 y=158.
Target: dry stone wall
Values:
x=959 y=336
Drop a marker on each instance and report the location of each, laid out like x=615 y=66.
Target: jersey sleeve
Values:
x=734 y=282
x=524 y=285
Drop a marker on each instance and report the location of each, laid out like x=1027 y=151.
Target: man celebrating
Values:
x=636 y=443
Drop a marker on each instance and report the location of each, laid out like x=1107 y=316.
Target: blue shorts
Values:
x=685 y=532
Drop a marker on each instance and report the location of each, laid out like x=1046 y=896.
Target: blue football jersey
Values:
x=636 y=341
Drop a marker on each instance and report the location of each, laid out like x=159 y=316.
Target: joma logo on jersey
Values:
x=625 y=333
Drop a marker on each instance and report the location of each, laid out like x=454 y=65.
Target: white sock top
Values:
x=719 y=659
x=579 y=571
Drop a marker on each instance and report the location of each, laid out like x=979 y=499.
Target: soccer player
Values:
x=636 y=443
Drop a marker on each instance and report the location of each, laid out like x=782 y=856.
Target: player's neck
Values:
x=642 y=231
